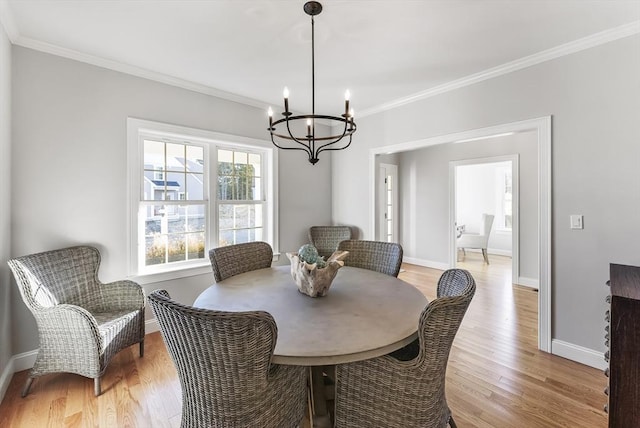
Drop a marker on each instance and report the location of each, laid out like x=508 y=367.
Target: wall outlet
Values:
x=576 y=221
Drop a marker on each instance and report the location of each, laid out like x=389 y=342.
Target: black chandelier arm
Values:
x=303 y=117
x=337 y=138
x=326 y=149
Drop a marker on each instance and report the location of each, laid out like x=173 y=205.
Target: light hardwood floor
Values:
x=496 y=376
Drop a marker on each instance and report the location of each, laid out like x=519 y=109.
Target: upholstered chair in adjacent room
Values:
x=82 y=323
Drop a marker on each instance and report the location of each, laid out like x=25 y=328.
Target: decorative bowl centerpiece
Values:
x=312 y=274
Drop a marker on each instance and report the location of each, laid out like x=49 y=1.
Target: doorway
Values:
x=487 y=186
x=541 y=232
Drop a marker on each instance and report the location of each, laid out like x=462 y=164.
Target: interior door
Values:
x=388 y=203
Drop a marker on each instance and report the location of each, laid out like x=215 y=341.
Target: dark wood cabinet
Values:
x=623 y=338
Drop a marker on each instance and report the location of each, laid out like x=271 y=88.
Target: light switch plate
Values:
x=576 y=221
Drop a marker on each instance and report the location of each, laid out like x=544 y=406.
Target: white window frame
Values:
x=137 y=131
x=501 y=173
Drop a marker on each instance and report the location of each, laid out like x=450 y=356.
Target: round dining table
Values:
x=365 y=314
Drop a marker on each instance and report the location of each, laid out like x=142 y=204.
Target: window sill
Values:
x=150 y=278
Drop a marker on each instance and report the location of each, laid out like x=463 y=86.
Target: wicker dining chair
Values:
x=327 y=238
x=407 y=389
x=223 y=360
x=383 y=257
x=82 y=323
x=235 y=259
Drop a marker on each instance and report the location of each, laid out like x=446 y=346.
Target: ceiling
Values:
x=384 y=52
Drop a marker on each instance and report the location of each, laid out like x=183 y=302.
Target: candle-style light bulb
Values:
x=270 y=113
x=285 y=94
x=309 y=127
x=347 y=96
x=351 y=114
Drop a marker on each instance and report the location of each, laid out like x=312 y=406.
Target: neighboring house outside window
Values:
x=192 y=190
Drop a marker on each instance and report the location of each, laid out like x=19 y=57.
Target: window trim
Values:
x=136 y=129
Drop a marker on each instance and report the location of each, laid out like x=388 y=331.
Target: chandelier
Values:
x=313 y=145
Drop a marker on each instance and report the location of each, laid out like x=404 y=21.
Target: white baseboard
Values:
x=578 y=354
x=426 y=263
x=17 y=363
x=490 y=251
x=528 y=282
x=151 y=326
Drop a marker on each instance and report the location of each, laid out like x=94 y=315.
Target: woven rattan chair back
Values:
x=388 y=393
x=240 y=258
x=327 y=238
x=224 y=365
x=68 y=275
x=82 y=323
x=383 y=257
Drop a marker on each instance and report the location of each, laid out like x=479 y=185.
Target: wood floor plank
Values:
x=496 y=376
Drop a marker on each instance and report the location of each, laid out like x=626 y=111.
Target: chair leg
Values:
x=142 y=348
x=27 y=387
x=485 y=255
x=452 y=423
x=96 y=386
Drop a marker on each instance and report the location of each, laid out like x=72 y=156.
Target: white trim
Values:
x=151 y=326
x=426 y=263
x=579 y=354
x=543 y=127
x=591 y=41
x=209 y=140
x=528 y=282
x=136 y=71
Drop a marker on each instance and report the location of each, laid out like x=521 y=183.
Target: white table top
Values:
x=366 y=314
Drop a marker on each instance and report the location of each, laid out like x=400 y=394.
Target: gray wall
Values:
x=594 y=98
x=5 y=199
x=424 y=183
x=69 y=164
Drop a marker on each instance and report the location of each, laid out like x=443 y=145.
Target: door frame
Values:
x=515 y=229
x=542 y=127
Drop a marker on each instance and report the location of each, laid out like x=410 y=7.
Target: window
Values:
x=191 y=190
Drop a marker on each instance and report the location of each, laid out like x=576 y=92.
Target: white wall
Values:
x=5 y=203
x=594 y=98
x=69 y=165
x=476 y=194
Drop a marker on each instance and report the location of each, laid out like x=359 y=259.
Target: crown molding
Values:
x=136 y=71
x=8 y=22
x=578 y=45
x=597 y=39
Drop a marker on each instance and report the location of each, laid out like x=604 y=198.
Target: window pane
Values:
x=240 y=157
x=155 y=250
x=226 y=238
x=225 y=188
x=175 y=186
x=177 y=247
x=256 y=163
x=256 y=190
x=195 y=187
x=195 y=159
x=175 y=157
x=196 y=218
x=195 y=248
x=153 y=154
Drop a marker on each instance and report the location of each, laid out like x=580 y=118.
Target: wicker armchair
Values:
x=224 y=365
x=387 y=392
x=383 y=257
x=82 y=322
x=327 y=238
x=240 y=258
